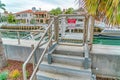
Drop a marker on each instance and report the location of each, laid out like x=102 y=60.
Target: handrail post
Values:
x=84 y=31
x=56 y=28
x=33 y=58
x=50 y=32
x=91 y=31
x=34 y=61
x=86 y=61
x=24 y=72
x=18 y=34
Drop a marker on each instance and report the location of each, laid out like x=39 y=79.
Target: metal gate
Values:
x=72 y=29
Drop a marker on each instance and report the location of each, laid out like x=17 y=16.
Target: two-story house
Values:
x=28 y=16
x=41 y=16
x=24 y=16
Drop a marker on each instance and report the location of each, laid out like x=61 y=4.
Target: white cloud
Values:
x=19 y=5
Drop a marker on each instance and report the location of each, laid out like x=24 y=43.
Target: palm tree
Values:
x=108 y=10
x=2 y=6
x=3 y=61
x=105 y=9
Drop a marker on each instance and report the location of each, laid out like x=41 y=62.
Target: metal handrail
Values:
x=7 y=30
x=41 y=58
x=33 y=51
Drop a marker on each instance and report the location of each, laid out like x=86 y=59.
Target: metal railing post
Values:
x=84 y=32
x=56 y=28
x=50 y=32
x=18 y=34
x=86 y=60
x=91 y=31
x=33 y=58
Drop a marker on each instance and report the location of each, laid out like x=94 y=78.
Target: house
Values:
x=24 y=16
x=41 y=16
x=32 y=16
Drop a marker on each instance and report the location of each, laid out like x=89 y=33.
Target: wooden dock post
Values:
x=91 y=31
x=56 y=28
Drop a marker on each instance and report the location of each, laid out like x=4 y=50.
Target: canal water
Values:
x=96 y=40
x=106 y=41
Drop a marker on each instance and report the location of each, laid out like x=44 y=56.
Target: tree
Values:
x=105 y=9
x=11 y=18
x=108 y=10
x=32 y=21
x=3 y=61
x=69 y=11
x=56 y=11
x=3 y=19
x=2 y=6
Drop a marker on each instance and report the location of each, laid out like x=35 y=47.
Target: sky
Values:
x=19 y=5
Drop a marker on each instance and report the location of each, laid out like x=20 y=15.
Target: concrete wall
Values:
x=20 y=53
x=106 y=65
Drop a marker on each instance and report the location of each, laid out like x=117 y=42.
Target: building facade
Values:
x=24 y=16
x=41 y=16
x=32 y=17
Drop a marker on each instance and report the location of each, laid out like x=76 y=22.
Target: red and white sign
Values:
x=71 y=23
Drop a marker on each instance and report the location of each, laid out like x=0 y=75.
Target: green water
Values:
x=13 y=35
x=106 y=41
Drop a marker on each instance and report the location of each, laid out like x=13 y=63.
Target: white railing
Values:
x=19 y=31
x=33 y=51
x=41 y=58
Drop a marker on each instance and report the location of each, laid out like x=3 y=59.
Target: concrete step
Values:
x=65 y=69
x=69 y=50
x=42 y=75
x=69 y=60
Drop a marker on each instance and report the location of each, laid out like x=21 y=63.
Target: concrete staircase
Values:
x=67 y=64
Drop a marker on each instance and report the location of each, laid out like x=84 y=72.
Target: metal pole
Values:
x=91 y=31
x=33 y=61
x=33 y=58
x=50 y=32
x=18 y=37
x=56 y=28
x=86 y=30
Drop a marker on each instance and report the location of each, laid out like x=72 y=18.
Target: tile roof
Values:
x=25 y=11
x=40 y=12
x=30 y=11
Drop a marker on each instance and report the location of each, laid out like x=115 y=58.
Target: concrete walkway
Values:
x=26 y=43
x=97 y=48
x=105 y=49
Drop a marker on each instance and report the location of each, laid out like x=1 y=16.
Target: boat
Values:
x=109 y=33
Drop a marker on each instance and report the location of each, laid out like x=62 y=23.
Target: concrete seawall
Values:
x=105 y=58
x=20 y=52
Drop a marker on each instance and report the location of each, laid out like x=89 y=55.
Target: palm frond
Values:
x=2 y=6
x=110 y=9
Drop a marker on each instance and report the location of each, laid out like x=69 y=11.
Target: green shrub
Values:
x=27 y=74
x=4 y=75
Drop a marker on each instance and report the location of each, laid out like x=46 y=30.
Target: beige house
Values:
x=29 y=16
x=41 y=16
